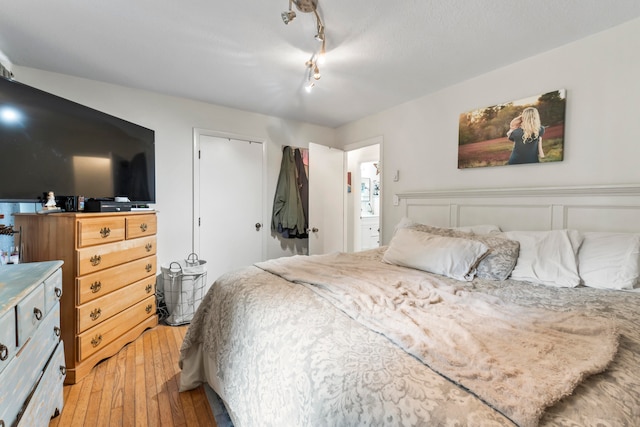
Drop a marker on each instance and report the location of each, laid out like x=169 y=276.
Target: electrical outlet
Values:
x=396 y=200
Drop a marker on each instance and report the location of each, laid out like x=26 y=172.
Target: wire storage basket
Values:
x=183 y=286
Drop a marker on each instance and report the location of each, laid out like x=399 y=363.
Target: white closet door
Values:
x=230 y=195
x=326 y=199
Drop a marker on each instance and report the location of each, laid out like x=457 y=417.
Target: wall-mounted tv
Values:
x=48 y=143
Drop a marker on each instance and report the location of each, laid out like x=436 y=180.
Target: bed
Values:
x=392 y=336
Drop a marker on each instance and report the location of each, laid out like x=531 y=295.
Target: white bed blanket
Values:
x=279 y=354
x=518 y=360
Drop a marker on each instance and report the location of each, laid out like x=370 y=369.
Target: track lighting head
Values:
x=309 y=86
x=312 y=67
x=288 y=16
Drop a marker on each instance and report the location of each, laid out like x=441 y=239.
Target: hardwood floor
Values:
x=137 y=387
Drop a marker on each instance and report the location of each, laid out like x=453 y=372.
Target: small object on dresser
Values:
x=51 y=201
x=50 y=205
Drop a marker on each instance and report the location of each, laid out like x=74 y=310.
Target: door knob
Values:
x=313 y=230
x=258 y=226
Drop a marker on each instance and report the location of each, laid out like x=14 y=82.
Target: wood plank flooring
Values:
x=137 y=387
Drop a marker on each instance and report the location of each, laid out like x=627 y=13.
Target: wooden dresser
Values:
x=109 y=279
x=32 y=366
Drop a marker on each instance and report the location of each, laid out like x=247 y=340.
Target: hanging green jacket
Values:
x=288 y=216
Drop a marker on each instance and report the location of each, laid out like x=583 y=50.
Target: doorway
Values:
x=364 y=197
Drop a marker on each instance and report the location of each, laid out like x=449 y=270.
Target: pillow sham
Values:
x=478 y=229
x=610 y=260
x=499 y=261
x=547 y=257
x=448 y=256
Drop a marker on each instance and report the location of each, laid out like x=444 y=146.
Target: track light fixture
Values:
x=320 y=28
x=312 y=67
x=313 y=72
x=321 y=54
x=308 y=6
x=288 y=16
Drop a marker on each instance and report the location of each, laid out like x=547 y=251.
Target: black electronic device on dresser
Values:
x=106 y=205
x=48 y=143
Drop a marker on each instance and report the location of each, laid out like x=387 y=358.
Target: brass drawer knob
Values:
x=95 y=287
x=57 y=292
x=148 y=247
x=4 y=352
x=95 y=314
x=143 y=227
x=95 y=260
x=95 y=341
x=38 y=313
x=148 y=267
x=105 y=232
x=56 y=331
x=148 y=308
x=148 y=288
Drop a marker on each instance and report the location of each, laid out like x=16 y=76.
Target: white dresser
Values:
x=32 y=367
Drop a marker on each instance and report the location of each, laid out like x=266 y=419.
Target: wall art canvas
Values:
x=528 y=130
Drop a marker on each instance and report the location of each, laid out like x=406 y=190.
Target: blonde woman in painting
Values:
x=526 y=133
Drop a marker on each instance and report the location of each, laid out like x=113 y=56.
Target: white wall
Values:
x=601 y=74
x=173 y=120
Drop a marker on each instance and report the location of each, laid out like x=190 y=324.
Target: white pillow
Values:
x=547 y=257
x=449 y=256
x=610 y=260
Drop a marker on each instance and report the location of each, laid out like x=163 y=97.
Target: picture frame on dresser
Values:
x=109 y=280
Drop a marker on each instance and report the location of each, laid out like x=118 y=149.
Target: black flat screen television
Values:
x=48 y=143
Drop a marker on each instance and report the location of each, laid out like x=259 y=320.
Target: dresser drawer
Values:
x=48 y=398
x=96 y=231
x=7 y=338
x=98 y=337
x=141 y=225
x=52 y=289
x=98 y=258
x=99 y=310
x=95 y=285
x=30 y=312
x=20 y=376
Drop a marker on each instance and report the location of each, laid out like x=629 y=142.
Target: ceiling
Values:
x=380 y=53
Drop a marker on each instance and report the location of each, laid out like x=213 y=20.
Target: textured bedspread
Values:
x=279 y=354
x=519 y=360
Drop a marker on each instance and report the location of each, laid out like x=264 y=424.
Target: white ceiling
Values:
x=380 y=53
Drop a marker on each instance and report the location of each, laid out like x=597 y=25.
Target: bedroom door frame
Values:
x=352 y=204
x=197 y=187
